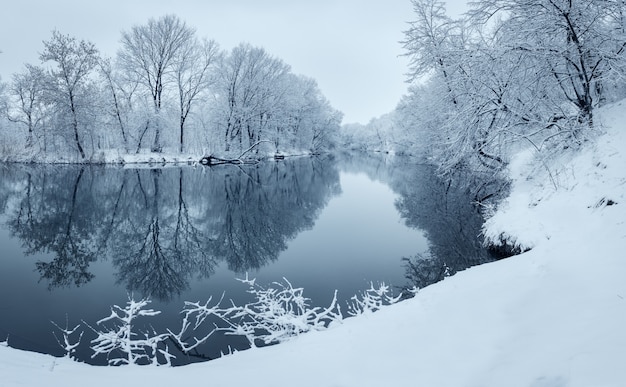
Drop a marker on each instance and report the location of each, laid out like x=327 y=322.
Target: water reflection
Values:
x=162 y=227
x=53 y=217
x=442 y=209
x=451 y=222
x=159 y=232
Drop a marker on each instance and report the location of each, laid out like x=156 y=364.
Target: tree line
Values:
x=165 y=90
x=506 y=74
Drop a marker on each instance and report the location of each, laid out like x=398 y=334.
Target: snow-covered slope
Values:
x=553 y=316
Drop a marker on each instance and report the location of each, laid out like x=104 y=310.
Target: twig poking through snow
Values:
x=67 y=345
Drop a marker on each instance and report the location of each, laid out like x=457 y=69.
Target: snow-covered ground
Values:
x=554 y=316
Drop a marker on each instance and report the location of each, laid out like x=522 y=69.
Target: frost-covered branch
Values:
x=195 y=314
x=372 y=300
x=67 y=344
x=279 y=313
x=121 y=337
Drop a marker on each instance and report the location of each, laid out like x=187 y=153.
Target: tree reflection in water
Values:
x=55 y=212
x=443 y=210
x=162 y=227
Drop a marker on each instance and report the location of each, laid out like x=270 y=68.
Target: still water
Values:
x=75 y=240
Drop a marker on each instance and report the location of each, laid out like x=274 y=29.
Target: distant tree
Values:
x=163 y=73
x=28 y=87
x=149 y=54
x=74 y=61
x=430 y=42
x=250 y=91
x=115 y=92
x=194 y=70
x=309 y=122
x=4 y=103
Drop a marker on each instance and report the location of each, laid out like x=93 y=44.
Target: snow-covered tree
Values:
x=165 y=88
x=250 y=89
x=580 y=44
x=149 y=53
x=28 y=88
x=305 y=121
x=194 y=71
x=67 y=83
x=511 y=71
x=118 y=104
x=432 y=43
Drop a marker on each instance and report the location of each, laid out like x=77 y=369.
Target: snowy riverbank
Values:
x=553 y=316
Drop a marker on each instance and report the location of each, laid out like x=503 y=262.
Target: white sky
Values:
x=349 y=46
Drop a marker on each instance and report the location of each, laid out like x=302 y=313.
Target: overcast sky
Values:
x=349 y=46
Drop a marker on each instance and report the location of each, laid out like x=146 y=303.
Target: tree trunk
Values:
x=75 y=127
x=182 y=132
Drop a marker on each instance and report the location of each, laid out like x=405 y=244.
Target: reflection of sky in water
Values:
x=358 y=237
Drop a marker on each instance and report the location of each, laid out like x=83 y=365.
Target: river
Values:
x=75 y=240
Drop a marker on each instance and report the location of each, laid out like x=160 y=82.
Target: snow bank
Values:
x=575 y=187
x=553 y=316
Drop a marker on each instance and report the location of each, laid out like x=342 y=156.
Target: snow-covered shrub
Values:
x=67 y=343
x=136 y=348
x=372 y=300
x=198 y=313
x=278 y=313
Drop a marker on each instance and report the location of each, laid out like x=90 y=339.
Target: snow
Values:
x=551 y=317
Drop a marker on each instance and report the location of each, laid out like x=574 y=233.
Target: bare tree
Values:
x=74 y=62
x=194 y=72
x=529 y=70
x=430 y=42
x=149 y=53
x=106 y=70
x=581 y=42
x=305 y=120
x=251 y=90
x=28 y=89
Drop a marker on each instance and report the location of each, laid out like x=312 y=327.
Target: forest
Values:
x=166 y=91
x=505 y=75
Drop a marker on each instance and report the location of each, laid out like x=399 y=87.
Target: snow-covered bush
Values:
x=198 y=313
x=372 y=300
x=67 y=343
x=136 y=348
x=278 y=313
